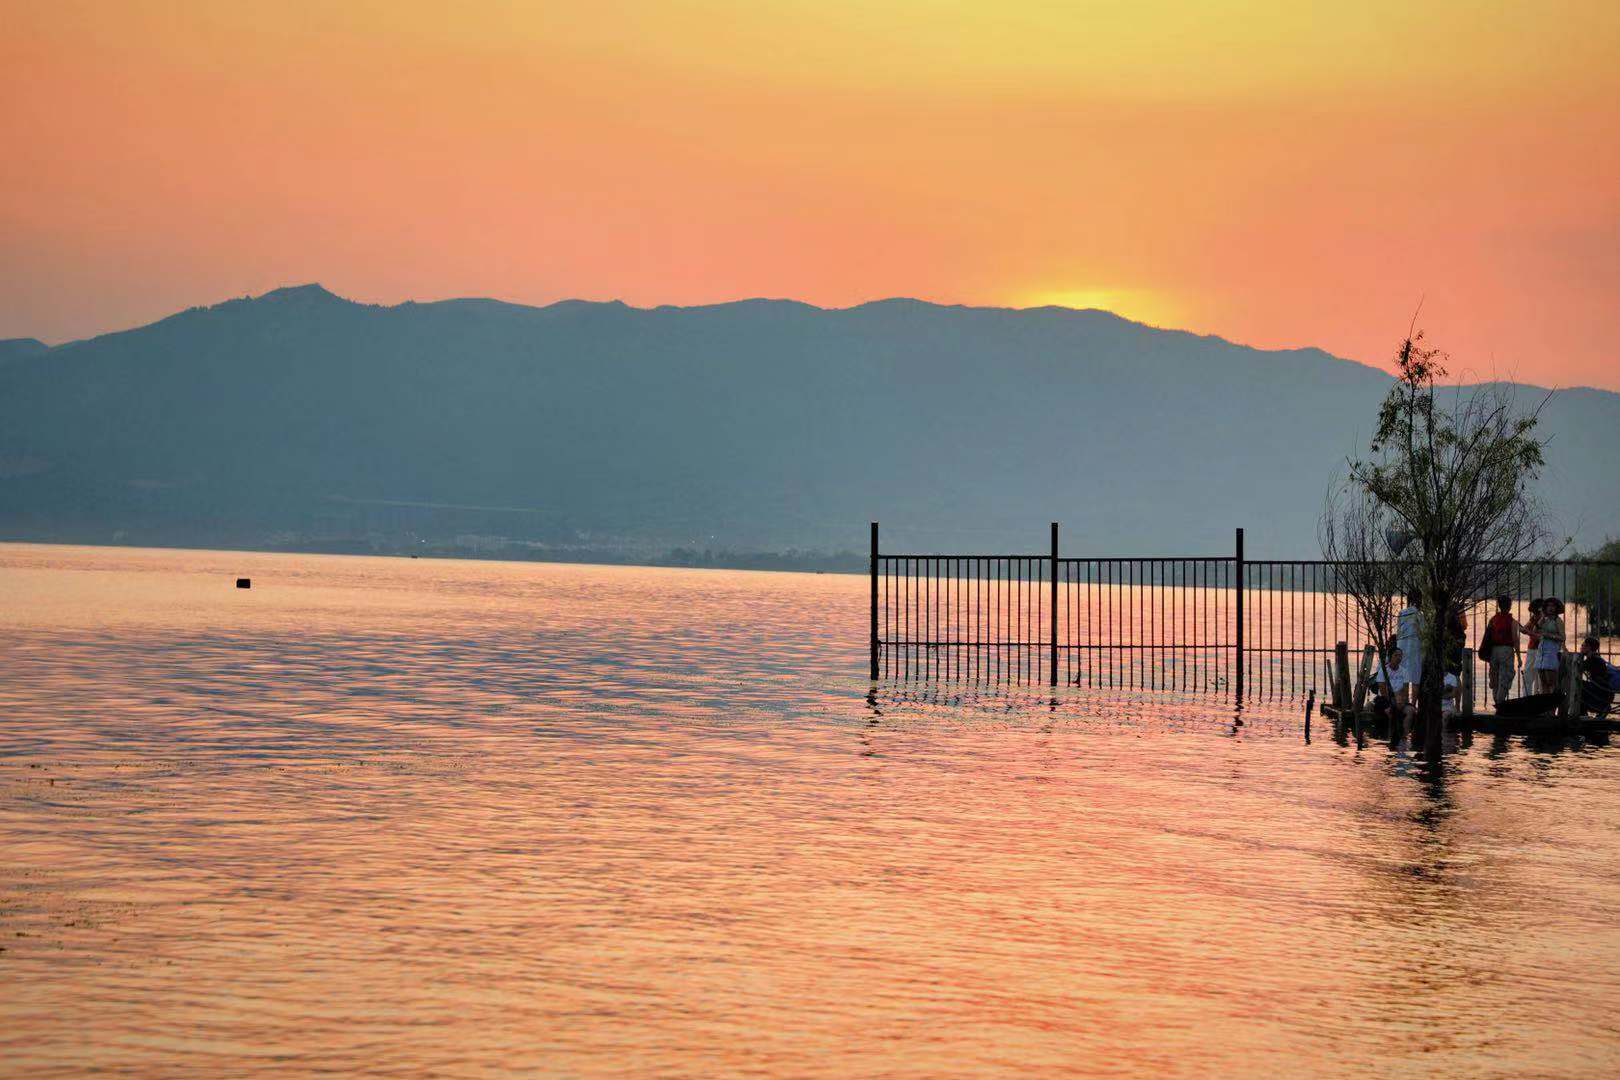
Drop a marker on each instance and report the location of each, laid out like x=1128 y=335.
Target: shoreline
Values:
x=764 y=562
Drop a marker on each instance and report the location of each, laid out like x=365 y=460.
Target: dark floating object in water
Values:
x=1534 y=705
x=244 y=583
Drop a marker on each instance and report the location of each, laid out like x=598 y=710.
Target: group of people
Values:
x=1542 y=634
x=1393 y=686
x=1530 y=653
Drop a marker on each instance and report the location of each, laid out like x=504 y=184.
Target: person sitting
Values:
x=1500 y=648
x=1600 y=680
x=1389 y=685
x=1395 y=694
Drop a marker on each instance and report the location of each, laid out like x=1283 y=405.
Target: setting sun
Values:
x=1138 y=305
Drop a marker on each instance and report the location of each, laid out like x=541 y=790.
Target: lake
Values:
x=406 y=816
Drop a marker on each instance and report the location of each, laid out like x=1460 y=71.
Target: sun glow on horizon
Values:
x=1138 y=305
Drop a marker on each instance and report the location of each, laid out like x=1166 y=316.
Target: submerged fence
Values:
x=1227 y=624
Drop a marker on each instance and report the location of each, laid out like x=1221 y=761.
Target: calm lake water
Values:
x=402 y=816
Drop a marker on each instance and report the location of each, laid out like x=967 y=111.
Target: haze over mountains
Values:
x=305 y=420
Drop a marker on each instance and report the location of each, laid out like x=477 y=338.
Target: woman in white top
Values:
x=1548 y=652
x=1391 y=677
x=1387 y=684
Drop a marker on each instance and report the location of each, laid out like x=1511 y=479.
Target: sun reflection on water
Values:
x=418 y=816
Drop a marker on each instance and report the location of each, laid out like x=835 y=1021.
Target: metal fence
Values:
x=1226 y=624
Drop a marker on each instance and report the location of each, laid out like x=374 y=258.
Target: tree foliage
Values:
x=1443 y=503
x=1597 y=587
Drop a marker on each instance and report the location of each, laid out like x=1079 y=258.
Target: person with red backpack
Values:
x=1500 y=646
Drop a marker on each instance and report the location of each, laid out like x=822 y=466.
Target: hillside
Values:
x=17 y=348
x=300 y=418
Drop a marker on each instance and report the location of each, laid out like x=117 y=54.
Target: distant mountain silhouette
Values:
x=299 y=417
x=16 y=348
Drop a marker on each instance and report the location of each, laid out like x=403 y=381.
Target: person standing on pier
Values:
x=1500 y=649
x=1550 y=655
x=1456 y=638
x=1409 y=637
x=1532 y=632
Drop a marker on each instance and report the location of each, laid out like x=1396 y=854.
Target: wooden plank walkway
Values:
x=1494 y=724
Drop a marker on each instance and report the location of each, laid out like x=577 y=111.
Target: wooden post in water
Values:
x=1572 y=686
x=1364 y=676
x=1465 y=685
x=1052 y=657
x=1238 y=565
x=1341 y=675
x=874 y=633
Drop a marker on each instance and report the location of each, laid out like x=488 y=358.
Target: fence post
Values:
x=1240 y=575
x=1572 y=703
x=1363 y=676
x=874 y=634
x=1052 y=658
x=1465 y=685
x=1341 y=675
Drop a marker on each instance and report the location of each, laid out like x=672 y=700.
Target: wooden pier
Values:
x=1489 y=723
x=1565 y=716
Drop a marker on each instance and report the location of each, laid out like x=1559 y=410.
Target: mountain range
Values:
x=302 y=419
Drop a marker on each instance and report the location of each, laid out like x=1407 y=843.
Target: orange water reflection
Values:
x=413 y=816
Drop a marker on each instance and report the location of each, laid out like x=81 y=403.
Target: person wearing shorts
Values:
x=1548 y=655
x=1502 y=635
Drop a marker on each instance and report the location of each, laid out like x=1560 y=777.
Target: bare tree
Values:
x=1450 y=473
x=1362 y=549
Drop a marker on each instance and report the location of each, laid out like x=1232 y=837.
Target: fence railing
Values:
x=1226 y=624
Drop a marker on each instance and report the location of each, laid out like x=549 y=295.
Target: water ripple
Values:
x=397 y=817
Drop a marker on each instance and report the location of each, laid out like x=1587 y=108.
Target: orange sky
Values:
x=1278 y=173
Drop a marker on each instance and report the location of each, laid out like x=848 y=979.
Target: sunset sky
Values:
x=1278 y=173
